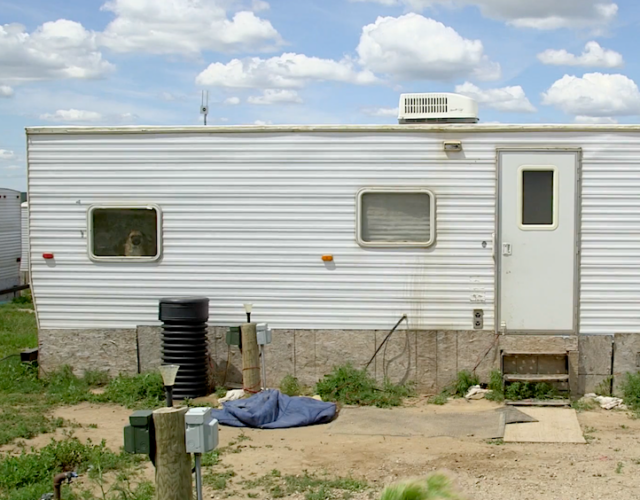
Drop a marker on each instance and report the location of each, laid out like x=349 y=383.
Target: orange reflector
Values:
x=327 y=258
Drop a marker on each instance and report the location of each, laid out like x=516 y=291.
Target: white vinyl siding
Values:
x=248 y=217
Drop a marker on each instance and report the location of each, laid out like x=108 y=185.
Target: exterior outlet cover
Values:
x=201 y=431
x=263 y=333
x=478 y=319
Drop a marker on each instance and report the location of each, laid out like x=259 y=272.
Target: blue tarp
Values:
x=273 y=410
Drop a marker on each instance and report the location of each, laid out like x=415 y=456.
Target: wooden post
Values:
x=173 y=464
x=250 y=359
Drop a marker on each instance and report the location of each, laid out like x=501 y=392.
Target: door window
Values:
x=538 y=192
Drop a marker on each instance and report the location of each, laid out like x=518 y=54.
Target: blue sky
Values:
x=115 y=62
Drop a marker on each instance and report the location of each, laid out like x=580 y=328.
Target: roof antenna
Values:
x=204 y=107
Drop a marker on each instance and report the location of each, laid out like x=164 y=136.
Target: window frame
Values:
x=122 y=258
x=394 y=244
x=556 y=197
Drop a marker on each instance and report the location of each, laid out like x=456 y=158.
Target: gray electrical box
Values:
x=201 y=430
x=263 y=333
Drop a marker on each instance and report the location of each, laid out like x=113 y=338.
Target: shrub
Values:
x=630 y=389
x=290 y=386
x=350 y=386
x=464 y=381
x=435 y=487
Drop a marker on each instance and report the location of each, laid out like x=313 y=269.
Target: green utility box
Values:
x=139 y=435
x=234 y=336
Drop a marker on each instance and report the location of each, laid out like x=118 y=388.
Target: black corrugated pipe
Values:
x=184 y=343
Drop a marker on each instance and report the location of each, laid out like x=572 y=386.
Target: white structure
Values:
x=528 y=231
x=10 y=243
x=24 y=259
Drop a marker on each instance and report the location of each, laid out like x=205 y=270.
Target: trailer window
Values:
x=395 y=217
x=538 y=192
x=124 y=233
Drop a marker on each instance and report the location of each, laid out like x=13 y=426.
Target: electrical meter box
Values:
x=139 y=435
x=201 y=432
x=234 y=337
x=264 y=334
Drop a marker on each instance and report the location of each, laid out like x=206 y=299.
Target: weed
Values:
x=242 y=437
x=619 y=468
x=583 y=405
x=252 y=495
x=604 y=387
x=497 y=442
x=436 y=486
x=630 y=389
x=465 y=380
x=624 y=426
x=145 y=390
x=495 y=386
x=439 y=399
x=25 y=300
x=210 y=459
x=33 y=471
x=221 y=392
x=218 y=480
x=587 y=433
x=93 y=426
x=348 y=385
x=312 y=486
x=290 y=386
x=526 y=390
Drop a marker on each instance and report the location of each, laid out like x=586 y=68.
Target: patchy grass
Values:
x=221 y=392
x=619 y=468
x=312 y=486
x=348 y=385
x=630 y=389
x=29 y=475
x=582 y=405
x=434 y=487
x=496 y=442
x=26 y=399
x=439 y=399
x=217 y=480
x=290 y=386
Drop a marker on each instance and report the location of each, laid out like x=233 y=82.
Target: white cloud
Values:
x=260 y=122
x=593 y=120
x=72 y=115
x=6 y=154
x=285 y=71
x=594 y=95
x=6 y=91
x=386 y=112
x=275 y=96
x=186 y=27
x=510 y=99
x=259 y=5
x=83 y=116
x=231 y=101
x=413 y=47
x=593 y=56
x=538 y=14
x=56 y=50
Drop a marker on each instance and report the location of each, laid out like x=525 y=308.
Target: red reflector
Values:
x=47 y=256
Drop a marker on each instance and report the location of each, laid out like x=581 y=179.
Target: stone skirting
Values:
x=429 y=358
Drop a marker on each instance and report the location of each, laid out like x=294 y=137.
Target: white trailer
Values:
x=490 y=238
x=10 y=244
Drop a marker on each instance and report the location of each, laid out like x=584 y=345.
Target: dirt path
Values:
x=608 y=467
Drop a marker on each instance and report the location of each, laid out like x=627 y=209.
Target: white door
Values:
x=537 y=241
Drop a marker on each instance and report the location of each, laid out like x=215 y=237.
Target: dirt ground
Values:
x=607 y=467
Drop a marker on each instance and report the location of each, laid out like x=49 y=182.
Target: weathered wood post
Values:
x=250 y=359
x=173 y=464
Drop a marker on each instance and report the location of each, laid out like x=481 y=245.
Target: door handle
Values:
x=506 y=249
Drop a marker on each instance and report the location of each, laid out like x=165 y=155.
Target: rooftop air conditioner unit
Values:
x=437 y=108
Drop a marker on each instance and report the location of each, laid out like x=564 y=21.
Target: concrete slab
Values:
x=554 y=425
x=411 y=422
